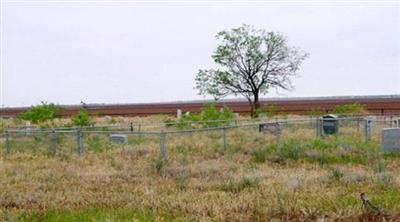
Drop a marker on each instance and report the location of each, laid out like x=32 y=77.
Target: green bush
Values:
x=354 y=108
x=41 y=113
x=209 y=116
x=95 y=143
x=82 y=118
x=260 y=154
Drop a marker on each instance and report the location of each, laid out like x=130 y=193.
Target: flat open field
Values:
x=309 y=179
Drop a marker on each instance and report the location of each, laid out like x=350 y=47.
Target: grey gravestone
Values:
x=391 y=140
x=269 y=128
x=330 y=124
x=119 y=138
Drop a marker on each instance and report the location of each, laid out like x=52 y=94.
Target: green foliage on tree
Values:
x=209 y=116
x=82 y=118
x=250 y=63
x=354 y=108
x=41 y=113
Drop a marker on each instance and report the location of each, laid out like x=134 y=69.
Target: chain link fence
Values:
x=283 y=135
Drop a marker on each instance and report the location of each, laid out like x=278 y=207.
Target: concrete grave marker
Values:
x=274 y=128
x=369 y=124
x=391 y=140
x=119 y=138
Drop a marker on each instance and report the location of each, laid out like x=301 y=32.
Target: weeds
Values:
x=260 y=154
x=158 y=165
x=336 y=174
x=238 y=186
x=321 y=178
x=95 y=143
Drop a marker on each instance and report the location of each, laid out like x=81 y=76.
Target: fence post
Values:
x=318 y=127
x=224 y=137
x=163 y=150
x=278 y=137
x=311 y=122
x=79 y=137
x=131 y=127
x=367 y=130
x=53 y=139
x=7 y=141
x=391 y=121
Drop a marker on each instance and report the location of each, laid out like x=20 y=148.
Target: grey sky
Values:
x=150 y=52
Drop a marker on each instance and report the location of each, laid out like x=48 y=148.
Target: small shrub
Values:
x=95 y=143
x=260 y=154
x=82 y=118
x=292 y=149
x=41 y=113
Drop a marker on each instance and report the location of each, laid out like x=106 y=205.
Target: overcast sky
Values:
x=150 y=52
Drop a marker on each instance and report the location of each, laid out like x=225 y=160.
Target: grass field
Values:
x=309 y=179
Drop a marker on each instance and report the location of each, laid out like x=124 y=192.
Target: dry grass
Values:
x=202 y=181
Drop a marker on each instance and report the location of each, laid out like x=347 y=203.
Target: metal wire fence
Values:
x=163 y=138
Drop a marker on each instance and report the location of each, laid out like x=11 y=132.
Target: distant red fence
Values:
x=374 y=104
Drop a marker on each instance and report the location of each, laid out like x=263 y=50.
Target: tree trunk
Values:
x=255 y=105
x=252 y=112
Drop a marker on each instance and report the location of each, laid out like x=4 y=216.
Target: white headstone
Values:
x=28 y=127
x=178 y=113
x=391 y=140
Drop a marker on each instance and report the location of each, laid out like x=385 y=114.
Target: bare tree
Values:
x=251 y=63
